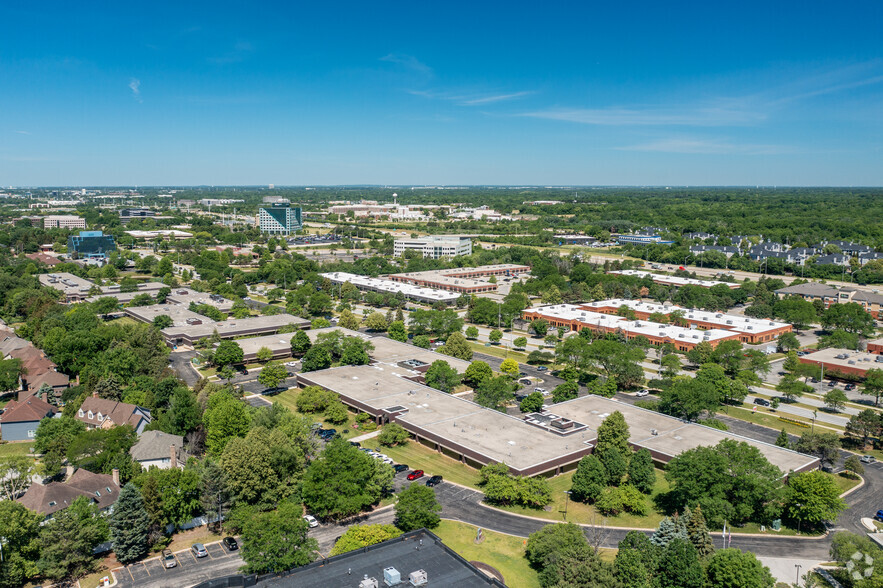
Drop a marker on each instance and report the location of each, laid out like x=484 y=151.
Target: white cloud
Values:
x=469 y=98
x=703 y=116
x=135 y=86
x=23 y=132
x=696 y=146
x=408 y=62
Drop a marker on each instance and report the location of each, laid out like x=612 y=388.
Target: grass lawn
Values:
x=124 y=321
x=503 y=552
x=578 y=512
x=498 y=351
x=288 y=399
x=766 y=419
x=844 y=482
x=16 y=449
x=433 y=463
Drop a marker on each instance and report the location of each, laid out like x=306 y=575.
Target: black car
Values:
x=400 y=467
x=434 y=481
x=541 y=368
x=762 y=401
x=355 y=444
x=274 y=391
x=832 y=384
x=243 y=370
x=327 y=434
x=522 y=375
x=849 y=387
x=230 y=543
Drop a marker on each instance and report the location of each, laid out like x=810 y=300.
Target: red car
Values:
x=415 y=474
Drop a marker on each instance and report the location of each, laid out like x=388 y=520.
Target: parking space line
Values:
x=145 y=568
x=130 y=573
x=178 y=560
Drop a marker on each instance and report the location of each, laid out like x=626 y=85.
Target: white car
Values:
x=540 y=390
x=311 y=521
x=291 y=364
x=642 y=393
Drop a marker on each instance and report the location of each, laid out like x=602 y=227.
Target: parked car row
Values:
x=198 y=550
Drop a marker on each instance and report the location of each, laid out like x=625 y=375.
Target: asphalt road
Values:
x=180 y=362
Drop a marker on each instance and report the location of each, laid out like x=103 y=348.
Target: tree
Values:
x=825 y=446
x=393 y=434
x=316 y=358
x=510 y=367
x=540 y=327
x=679 y=566
x=671 y=365
x=864 y=425
x=642 y=474
x=835 y=399
x=701 y=353
x=228 y=353
x=417 y=508
x=616 y=360
x=442 y=376
x=314 y=399
x=792 y=388
x=162 y=321
x=495 y=336
x=613 y=433
x=347 y=320
x=849 y=317
x=15 y=476
x=578 y=567
x=20 y=529
x=873 y=385
x=224 y=418
x=472 y=332
x=397 y=331
x=477 y=372
x=272 y=374
x=733 y=568
x=545 y=544
x=533 y=402
x=336 y=413
x=376 y=322
x=422 y=341
x=787 y=342
x=782 y=440
x=732 y=481
x=67 y=541
x=109 y=388
x=171 y=496
x=615 y=463
x=457 y=346
x=300 y=343
x=359 y=536
x=797 y=311
x=343 y=481
x=264 y=354
x=565 y=391
x=854 y=465
x=494 y=392
x=668 y=529
x=130 y=525
x=520 y=342
x=589 y=479
x=277 y=541
x=697 y=533
x=631 y=568
x=813 y=497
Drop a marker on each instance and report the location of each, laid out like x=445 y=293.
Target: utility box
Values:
x=391 y=576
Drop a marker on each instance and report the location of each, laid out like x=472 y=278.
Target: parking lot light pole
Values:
x=566 y=500
x=798 y=566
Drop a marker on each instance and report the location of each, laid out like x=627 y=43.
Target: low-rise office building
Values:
x=875 y=346
x=463 y=279
x=63 y=221
x=844 y=362
x=434 y=247
x=384 y=286
x=539 y=443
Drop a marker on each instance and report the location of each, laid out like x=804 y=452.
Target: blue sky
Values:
x=560 y=93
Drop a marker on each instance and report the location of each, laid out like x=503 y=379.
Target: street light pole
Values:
x=798 y=566
x=566 y=500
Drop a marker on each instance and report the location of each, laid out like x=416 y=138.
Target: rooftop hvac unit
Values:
x=391 y=576
x=418 y=578
x=654 y=432
x=369 y=582
x=851 y=362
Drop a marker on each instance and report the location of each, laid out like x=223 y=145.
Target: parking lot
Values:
x=153 y=572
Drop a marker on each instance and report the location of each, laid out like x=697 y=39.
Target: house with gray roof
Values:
x=161 y=450
x=100 y=489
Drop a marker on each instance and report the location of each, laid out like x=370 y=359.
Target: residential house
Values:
x=727 y=250
x=37 y=368
x=872 y=256
x=19 y=419
x=700 y=235
x=48 y=499
x=833 y=259
x=848 y=248
x=103 y=413
x=161 y=450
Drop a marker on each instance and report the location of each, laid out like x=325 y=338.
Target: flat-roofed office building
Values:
x=280 y=219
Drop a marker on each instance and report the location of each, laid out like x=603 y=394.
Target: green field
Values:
x=288 y=399
x=503 y=552
x=15 y=449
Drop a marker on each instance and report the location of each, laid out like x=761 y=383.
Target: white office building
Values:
x=436 y=246
x=280 y=219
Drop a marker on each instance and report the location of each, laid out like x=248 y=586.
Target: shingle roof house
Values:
x=101 y=412
x=20 y=418
x=48 y=499
x=159 y=449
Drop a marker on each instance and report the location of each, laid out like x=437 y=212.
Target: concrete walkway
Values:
x=366 y=436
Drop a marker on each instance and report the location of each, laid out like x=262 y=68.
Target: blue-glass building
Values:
x=90 y=245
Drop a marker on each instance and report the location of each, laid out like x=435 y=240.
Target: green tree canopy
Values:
x=417 y=508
